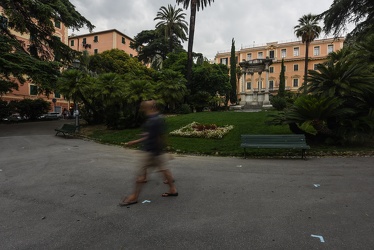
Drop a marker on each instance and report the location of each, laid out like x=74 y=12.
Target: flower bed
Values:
x=196 y=129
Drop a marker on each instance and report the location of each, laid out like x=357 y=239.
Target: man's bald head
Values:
x=149 y=106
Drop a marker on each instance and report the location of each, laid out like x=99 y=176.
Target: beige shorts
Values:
x=152 y=162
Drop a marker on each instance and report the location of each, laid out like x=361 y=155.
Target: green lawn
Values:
x=243 y=122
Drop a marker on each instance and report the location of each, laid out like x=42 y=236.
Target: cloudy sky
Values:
x=247 y=21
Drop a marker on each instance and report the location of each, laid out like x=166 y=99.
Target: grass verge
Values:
x=229 y=145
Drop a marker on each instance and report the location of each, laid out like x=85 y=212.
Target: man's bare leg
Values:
x=169 y=177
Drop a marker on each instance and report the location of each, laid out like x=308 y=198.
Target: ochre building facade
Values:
x=293 y=53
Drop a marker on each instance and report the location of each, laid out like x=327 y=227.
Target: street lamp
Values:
x=76 y=65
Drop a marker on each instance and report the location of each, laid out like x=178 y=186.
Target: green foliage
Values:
x=171 y=88
x=150 y=45
x=200 y=100
x=31 y=109
x=35 y=18
x=5 y=110
x=176 y=62
x=346 y=78
x=211 y=78
x=282 y=81
x=342 y=12
x=278 y=102
x=195 y=5
x=233 y=94
x=184 y=109
x=116 y=61
x=308 y=30
x=173 y=24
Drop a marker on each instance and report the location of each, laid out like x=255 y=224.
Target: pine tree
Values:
x=233 y=95
x=281 y=90
x=36 y=19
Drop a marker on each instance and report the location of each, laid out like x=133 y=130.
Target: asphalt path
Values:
x=62 y=193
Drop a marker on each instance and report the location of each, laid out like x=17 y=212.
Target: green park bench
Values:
x=292 y=141
x=66 y=129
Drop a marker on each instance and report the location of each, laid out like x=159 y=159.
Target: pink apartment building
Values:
x=293 y=54
x=97 y=42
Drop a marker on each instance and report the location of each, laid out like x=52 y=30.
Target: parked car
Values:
x=13 y=118
x=51 y=116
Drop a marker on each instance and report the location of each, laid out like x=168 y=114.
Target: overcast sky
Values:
x=247 y=21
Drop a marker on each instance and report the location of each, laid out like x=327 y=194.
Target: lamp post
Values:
x=76 y=65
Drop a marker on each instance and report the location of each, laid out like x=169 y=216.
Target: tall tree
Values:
x=172 y=23
x=308 y=30
x=37 y=19
x=233 y=94
x=282 y=81
x=195 y=5
x=342 y=12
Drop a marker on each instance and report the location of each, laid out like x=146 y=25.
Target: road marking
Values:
x=316 y=185
x=319 y=237
x=146 y=201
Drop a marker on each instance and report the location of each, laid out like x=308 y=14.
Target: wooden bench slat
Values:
x=275 y=141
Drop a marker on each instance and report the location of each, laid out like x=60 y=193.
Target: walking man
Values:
x=153 y=143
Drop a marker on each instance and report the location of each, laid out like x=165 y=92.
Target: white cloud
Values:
x=245 y=21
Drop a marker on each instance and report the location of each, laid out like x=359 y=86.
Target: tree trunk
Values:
x=190 y=40
x=306 y=66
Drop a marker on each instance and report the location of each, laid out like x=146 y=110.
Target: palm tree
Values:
x=173 y=23
x=195 y=5
x=308 y=30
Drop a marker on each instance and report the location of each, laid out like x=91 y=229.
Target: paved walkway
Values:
x=58 y=193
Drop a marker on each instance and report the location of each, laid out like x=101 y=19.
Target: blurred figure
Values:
x=65 y=114
x=153 y=143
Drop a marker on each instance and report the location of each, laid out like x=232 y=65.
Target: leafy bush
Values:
x=184 y=109
x=279 y=103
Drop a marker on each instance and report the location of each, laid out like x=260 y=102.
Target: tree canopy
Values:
x=196 y=5
x=171 y=21
x=308 y=30
x=342 y=12
x=37 y=19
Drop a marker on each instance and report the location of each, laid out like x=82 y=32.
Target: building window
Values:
x=249 y=56
x=260 y=55
x=316 y=51
x=84 y=41
x=271 y=69
x=271 y=84
x=33 y=90
x=72 y=43
x=295 y=82
x=58 y=24
x=131 y=55
x=224 y=61
x=123 y=40
x=296 y=67
x=330 y=48
x=283 y=53
x=271 y=54
x=96 y=51
x=296 y=51
x=96 y=39
x=57 y=94
x=315 y=66
x=249 y=85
